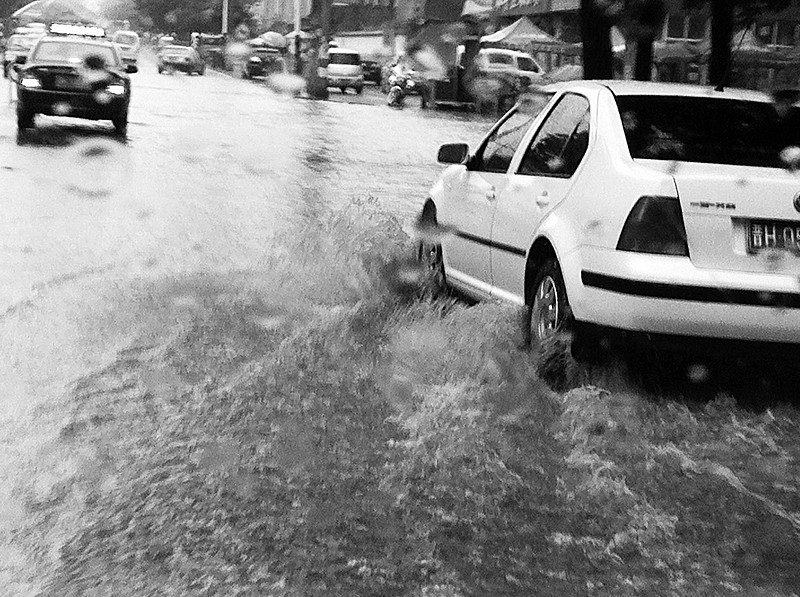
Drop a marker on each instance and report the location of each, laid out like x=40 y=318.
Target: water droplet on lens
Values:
x=698 y=373
x=61 y=109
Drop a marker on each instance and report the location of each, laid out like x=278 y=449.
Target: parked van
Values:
x=128 y=44
x=344 y=69
x=520 y=65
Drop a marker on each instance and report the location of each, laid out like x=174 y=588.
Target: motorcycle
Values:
x=399 y=87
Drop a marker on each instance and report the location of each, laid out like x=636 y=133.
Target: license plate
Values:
x=773 y=234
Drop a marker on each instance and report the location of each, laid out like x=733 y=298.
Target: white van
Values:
x=519 y=64
x=344 y=69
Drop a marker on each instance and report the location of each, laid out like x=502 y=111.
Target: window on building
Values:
x=685 y=26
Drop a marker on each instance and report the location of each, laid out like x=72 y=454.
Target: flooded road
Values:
x=213 y=166
x=217 y=380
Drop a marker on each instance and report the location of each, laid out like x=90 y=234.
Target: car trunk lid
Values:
x=739 y=218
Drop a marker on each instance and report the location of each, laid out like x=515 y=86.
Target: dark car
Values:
x=71 y=76
x=182 y=58
x=263 y=62
x=372 y=71
x=212 y=49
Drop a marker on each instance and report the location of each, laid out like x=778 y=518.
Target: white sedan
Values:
x=629 y=206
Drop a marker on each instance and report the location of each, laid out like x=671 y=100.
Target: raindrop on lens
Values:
x=790 y=156
x=102 y=97
x=61 y=109
x=698 y=373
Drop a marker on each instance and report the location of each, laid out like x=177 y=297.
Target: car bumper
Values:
x=668 y=295
x=76 y=105
x=344 y=81
x=185 y=67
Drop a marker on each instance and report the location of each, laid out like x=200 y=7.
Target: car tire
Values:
x=547 y=308
x=25 y=118
x=429 y=256
x=160 y=70
x=359 y=90
x=343 y=90
x=121 y=125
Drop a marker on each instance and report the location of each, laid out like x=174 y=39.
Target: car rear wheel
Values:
x=547 y=310
x=359 y=90
x=343 y=89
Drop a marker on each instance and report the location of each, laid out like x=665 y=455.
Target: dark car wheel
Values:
x=343 y=89
x=25 y=118
x=121 y=125
x=359 y=90
x=429 y=256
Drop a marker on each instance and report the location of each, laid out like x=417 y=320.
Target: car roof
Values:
x=630 y=87
x=76 y=39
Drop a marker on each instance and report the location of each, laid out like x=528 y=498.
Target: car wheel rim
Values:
x=545 y=310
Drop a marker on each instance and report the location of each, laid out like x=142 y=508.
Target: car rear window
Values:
x=708 y=130
x=127 y=39
x=343 y=58
x=500 y=59
x=72 y=53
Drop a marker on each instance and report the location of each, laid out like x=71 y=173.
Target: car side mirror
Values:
x=453 y=153
x=21 y=59
x=131 y=68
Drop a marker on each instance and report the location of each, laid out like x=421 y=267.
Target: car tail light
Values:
x=655 y=225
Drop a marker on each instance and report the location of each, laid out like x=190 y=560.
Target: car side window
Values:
x=502 y=144
x=560 y=144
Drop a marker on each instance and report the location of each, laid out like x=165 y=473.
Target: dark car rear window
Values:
x=708 y=130
x=72 y=52
x=342 y=58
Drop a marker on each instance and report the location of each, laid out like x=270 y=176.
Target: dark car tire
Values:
x=121 y=125
x=160 y=70
x=359 y=90
x=25 y=118
x=429 y=256
x=343 y=89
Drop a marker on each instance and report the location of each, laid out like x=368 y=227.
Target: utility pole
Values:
x=297 y=15
x=224 y=16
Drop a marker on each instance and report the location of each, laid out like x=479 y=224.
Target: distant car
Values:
x=263 y=61
x=128 y=42
x=520 y=65
x=165 y=40
x=81 y=77
x=212 y=49
x=182 y=58
x=655 y=210
x=17 y=45
x=344 y=70
x=372 y=71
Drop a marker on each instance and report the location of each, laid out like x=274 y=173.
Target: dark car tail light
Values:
x=655 y=225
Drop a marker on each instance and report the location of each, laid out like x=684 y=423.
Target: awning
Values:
x=56 y=11
x=520 y=33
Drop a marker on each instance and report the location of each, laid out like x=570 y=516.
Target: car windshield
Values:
x=128 y=39
x=527 y=64
x=708 y=130
x=344 y=58
x=71 y=52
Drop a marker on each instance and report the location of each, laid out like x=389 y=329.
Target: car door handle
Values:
x=491 y=195
x=543 y=199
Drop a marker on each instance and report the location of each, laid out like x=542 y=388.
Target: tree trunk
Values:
x=721 y=32
x=644 y=59
x=595 y=31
